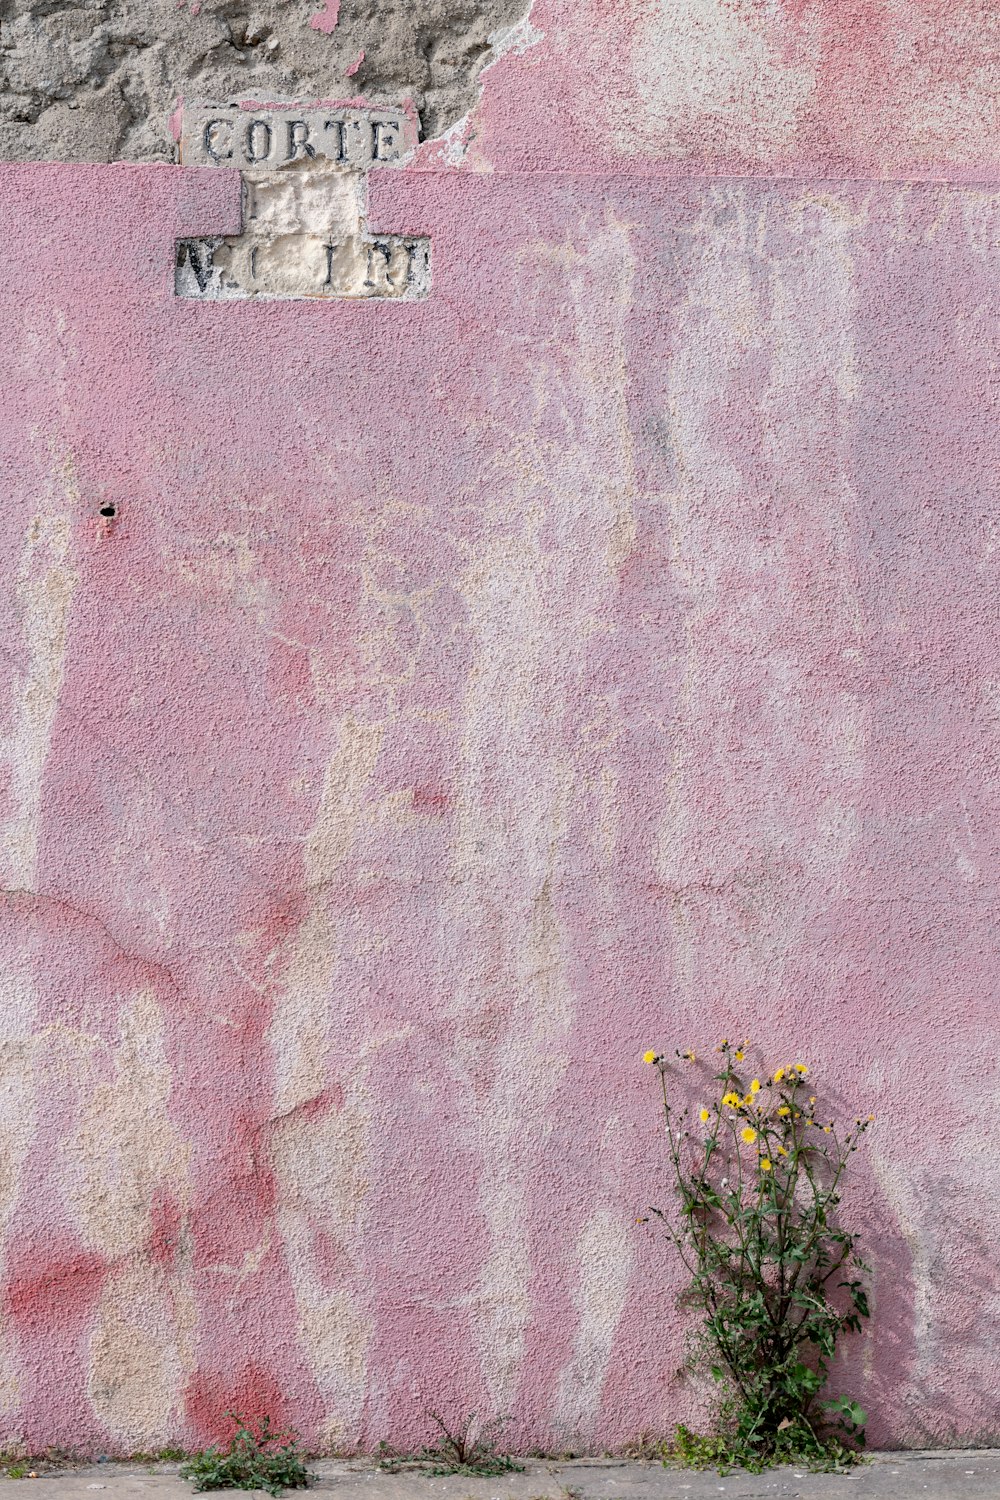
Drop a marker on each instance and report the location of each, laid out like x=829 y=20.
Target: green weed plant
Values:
x=776 y=1278
x=468 y=1448
x=258 y=1458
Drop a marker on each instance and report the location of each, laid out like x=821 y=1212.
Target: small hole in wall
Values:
x=109 y=512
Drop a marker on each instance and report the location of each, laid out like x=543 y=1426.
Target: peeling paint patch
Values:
x=704 y=67
x=46 y=580
x=126 y=1149
x=604 y=1256
x=137 y=1366
x=326 y=19
x=321 y=1130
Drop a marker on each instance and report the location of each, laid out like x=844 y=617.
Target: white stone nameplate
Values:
x=357 y=267
x=245 y=137
x=305 y=235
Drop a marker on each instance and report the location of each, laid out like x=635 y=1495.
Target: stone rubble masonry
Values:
x=98 y=80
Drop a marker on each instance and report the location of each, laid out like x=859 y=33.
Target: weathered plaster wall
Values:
x=471 y=692
x=870 y=85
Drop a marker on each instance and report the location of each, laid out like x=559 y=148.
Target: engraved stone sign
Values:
x=304 y=175
x=231 y=136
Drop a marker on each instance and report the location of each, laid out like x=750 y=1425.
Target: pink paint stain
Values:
x=355 y=65
x=326 y=20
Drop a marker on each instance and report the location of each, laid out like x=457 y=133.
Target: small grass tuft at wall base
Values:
x=167 y=1455
x=468 y=1448
x=758 y=1174
x=258 y=1458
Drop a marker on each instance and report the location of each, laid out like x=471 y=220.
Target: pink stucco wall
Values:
x=471 y=693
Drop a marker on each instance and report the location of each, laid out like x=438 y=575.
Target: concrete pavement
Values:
x=939 y=1475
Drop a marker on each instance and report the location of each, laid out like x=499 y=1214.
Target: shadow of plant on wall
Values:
x=777 y=1279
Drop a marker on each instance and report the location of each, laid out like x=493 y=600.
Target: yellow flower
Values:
x=826 y=1129
x=755 y=1086
x=703 y=1115
x=765 y=1165
x=733 y=1100
x=650 y=1056
x=748 y=1134
x=748 y=1099
x=781 y=1151
x=739 y=1054
x=784 y=1110
x=779 y=1074
x=688 y=1056
x=801 y=1069
x=808 y=1122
